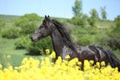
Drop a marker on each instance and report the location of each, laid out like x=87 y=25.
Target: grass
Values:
x=7 y=46
x=14 y=59
x=8 y=53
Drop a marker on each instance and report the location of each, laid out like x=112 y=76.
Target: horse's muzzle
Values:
x=33 y=40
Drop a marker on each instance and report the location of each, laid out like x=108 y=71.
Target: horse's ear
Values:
x=48 y=16
x=45 y=17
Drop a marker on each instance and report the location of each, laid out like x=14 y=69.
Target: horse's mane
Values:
x=65 y=35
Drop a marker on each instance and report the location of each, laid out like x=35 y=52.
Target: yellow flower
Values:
x=33 y=69
x=53 y=55
x=24 y=60
x=103 y=64
x=59 y=60
x=72 y=62
x=79 y=63
x=47 y=51
x=87 y=65
x=98 y=64
x=91 y=62
x=67 y=57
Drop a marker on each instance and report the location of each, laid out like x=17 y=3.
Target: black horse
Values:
x=63 y=44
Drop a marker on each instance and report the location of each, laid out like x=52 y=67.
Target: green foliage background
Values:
x=15 y=42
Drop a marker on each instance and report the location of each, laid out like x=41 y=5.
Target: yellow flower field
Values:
x=33 y=69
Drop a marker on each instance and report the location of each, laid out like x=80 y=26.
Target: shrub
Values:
x=39 y=47
x=114 y=41
x=92 y=22
x=86 y=40
x=22 y=42
x=28 y=23
x=76 y=21
x=2 y=24
x=12 y=32
x=28 y=28
x=104 y=41
x=27 y=18
x=85 y=36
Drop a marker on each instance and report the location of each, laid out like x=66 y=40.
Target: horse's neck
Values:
x=58 y=44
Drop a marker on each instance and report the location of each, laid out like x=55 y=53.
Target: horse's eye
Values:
x=41 y=26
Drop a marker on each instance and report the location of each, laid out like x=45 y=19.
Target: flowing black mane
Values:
x=65 y=35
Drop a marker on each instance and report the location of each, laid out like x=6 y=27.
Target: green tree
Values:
x=116 y=30
x=77 y=8
x=84 y=20
x=117 y=22
x=94 y=17
x=114 y=41
x=103 y=13
x=94 y=14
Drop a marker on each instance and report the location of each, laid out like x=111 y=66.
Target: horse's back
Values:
x=95 y=53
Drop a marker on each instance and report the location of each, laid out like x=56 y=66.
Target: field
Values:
x=12 y=57
x=34 y=69
x=6 y=17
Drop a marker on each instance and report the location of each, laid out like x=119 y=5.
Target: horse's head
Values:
x=44 y=30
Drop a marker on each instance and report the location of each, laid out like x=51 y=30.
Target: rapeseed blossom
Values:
x=33 y=69
x=47 y=51
x=53 y=55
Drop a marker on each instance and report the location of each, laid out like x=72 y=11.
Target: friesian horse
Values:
x=63 y=44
